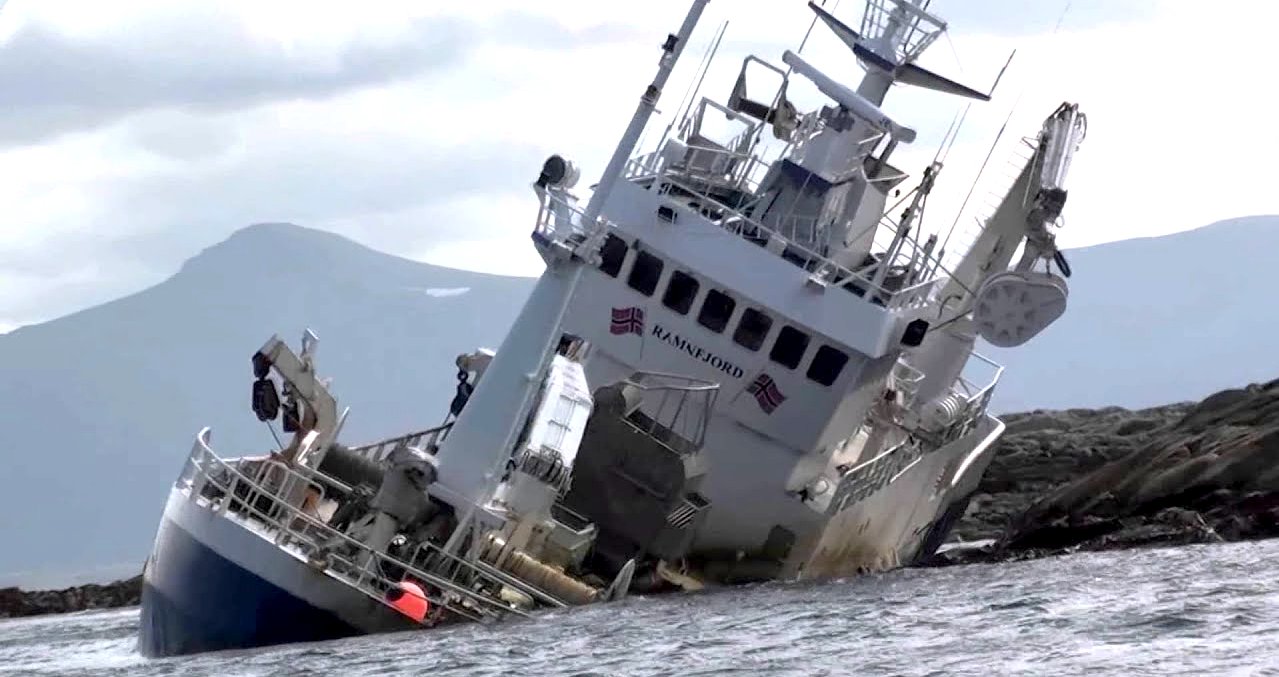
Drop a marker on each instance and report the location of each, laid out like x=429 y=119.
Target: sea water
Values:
x=1201 y=610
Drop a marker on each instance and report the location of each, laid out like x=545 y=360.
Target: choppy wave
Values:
x=1196 y=610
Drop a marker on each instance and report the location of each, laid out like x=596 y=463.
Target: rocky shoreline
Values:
x=15 y=602
x=1106 y=479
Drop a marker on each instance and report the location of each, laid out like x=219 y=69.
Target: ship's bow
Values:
x=211 y=585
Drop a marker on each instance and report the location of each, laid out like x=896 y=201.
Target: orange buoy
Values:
x=410 y=600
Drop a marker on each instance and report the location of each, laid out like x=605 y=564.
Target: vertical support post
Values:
x=648 y=102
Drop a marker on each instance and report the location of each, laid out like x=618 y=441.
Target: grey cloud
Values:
x=180 y=87
x=179 y=136
x=53 y=83
x=206 y=60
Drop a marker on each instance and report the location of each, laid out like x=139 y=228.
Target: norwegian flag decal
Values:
x=627 y=321
x=766 y=393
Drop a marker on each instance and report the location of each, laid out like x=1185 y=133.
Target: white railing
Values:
x=973 y=396
x=680 y=404
x=276 y=499
x=810 y=128
x=906 y=380
x=558 y=217
x=824 y=270
x=744 y=171
x=916 y=295
x=654 y=168
x=868 y=477
x=919 y=31
x=977 y=393
x=426 y=440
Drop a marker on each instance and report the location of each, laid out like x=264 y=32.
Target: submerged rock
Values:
x=1105 y=479
x=15 y=602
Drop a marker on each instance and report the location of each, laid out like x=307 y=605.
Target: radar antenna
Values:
x=893 y=34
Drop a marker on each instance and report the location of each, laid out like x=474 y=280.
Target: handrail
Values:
x=871 y=475
x=553 y=208
x=985 y=391
x=825 y=269
x=808 y=131
x=249 y=505
x=377 y=451
x=922 y=28
x=976 y=398
x=202 y=458
x=560 y=220
x=686 y=386
x=740 y=169
x=311 y=474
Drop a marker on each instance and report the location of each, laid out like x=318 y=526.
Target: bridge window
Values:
x=613 y=254
x=827 y=364
x=789 y=348
x=716 y=310
x=645 y=273
x=752 y=329
x=680 y=292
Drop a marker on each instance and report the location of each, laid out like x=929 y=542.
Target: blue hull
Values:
x=195 y=600
x=214 y=583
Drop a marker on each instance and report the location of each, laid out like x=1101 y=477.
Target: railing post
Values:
x=229 y=495
x=198 y=476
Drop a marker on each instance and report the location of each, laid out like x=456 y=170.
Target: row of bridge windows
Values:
x=717 y=310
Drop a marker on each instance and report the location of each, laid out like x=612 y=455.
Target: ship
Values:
x=743 y=362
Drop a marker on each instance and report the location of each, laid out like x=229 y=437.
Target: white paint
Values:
x=440 y=292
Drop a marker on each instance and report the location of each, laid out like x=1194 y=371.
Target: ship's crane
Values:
x=986 y=298
x=309 y=409
x=1010 y=307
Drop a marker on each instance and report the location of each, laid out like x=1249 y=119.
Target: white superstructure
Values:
x=839 y=364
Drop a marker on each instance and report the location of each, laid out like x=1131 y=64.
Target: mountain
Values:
x=101 y=407
x=1155 y=320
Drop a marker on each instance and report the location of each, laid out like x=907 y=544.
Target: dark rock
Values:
x=15 y=602
x=1065 y=481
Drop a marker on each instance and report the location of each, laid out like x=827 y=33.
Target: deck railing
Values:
x=275 y=501
x=868 y=477
x=976 y=393
x=426 y=440
x=560 y=219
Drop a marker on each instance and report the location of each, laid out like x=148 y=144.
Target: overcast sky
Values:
x=135 y=133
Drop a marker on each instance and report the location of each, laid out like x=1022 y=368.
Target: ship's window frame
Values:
x=825 y=368
x=789 y=346
x=681 y=291
x=752 y=338
x=646 y=272
x=613 y=257
x=714 y=322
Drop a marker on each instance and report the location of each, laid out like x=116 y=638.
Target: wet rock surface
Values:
x=1064 y=481
x=15 y=602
